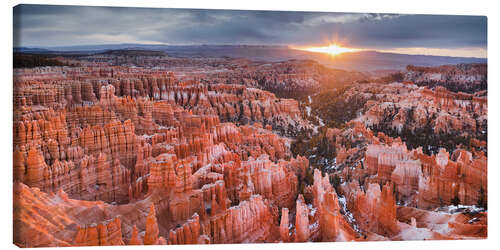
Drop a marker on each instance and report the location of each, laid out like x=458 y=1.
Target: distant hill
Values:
x=25 y=60
x=30 y=50
x=376 y=61
x=133 y=52
x=359 y=61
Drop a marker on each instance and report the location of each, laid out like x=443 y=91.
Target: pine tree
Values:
x=482 y=202
x=455 y=201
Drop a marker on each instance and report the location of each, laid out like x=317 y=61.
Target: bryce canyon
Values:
x=163 y=145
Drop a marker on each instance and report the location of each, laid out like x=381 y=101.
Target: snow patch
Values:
x=451 y=209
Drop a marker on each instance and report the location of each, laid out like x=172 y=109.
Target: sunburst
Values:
x=332 y=49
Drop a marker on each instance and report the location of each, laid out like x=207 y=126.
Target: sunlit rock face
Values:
x=147 y=159
x=429 y=181
x=407 y=109
x=388 y=178
x=446 y=179
x=115 y=155
x=462 y=77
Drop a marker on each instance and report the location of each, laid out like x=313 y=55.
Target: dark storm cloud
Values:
x=424 y=31
x=45 y=25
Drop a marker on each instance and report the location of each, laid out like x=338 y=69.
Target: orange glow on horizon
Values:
x=332 y=49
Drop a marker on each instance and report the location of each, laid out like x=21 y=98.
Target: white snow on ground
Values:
x=475 y=219
x=321 y=123
x=437 y=221
x=460 y=209
x=313 y=226
x=308 y=110
x=313 y=211
x=333 y=166
x=348 y=215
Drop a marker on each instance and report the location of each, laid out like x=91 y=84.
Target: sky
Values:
x=53 y=25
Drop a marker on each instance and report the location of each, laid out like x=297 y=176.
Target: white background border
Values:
x=449 y=7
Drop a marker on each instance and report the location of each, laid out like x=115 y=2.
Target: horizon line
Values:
x=385 y=51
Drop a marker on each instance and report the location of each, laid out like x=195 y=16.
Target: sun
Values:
x=332 y=49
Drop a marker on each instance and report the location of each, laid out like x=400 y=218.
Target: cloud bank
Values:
x=51 y=25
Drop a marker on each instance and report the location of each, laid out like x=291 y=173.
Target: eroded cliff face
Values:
x=385 y=177
x=406 y=108
x=150 y=157
x=462 y=77
x=108 y=155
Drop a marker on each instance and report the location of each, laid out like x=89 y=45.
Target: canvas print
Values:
x=162 y=126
